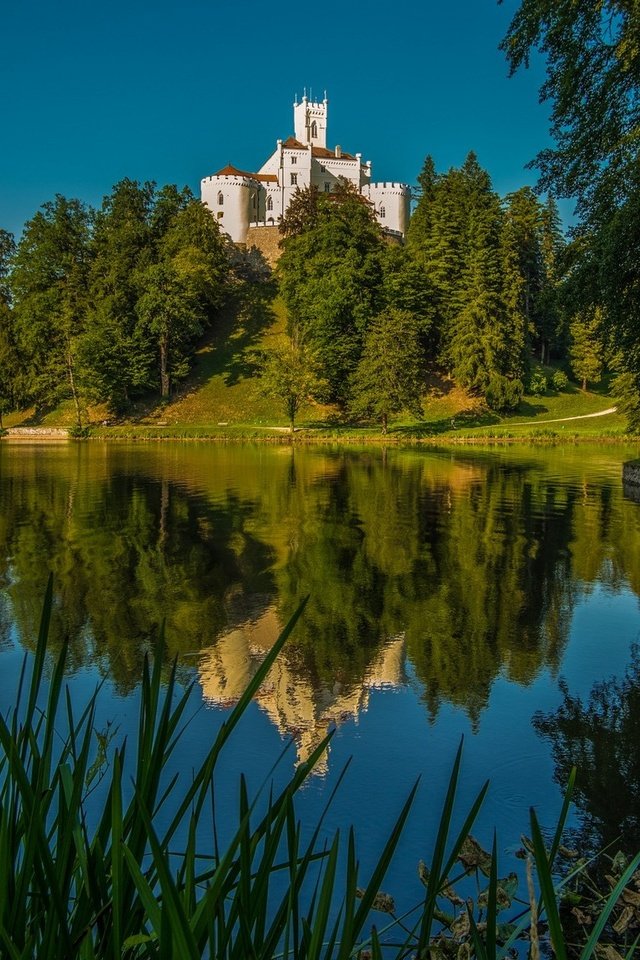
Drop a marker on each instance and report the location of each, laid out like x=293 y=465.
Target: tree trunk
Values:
x=584 y=384
x=164 y=373
x=384 y=424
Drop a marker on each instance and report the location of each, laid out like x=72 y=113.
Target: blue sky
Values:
x=172 y=91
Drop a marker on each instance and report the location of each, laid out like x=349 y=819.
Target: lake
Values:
x=490 y=594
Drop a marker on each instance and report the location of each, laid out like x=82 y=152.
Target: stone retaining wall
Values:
x=36 y=433
x=267 y=241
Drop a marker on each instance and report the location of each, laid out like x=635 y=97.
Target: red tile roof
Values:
x=322 y=152
x=230 y=171
x=325 y=154
x=292 y=144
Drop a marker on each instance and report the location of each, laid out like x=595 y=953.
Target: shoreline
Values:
x=302 y=437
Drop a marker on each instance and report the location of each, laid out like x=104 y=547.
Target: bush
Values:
x=538 y=383
x=503 y=394
x=79 y=432
x=559 y=381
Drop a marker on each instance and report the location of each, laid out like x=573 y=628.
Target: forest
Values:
x=107 y=306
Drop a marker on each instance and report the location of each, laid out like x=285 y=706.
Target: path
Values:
x=583 y=416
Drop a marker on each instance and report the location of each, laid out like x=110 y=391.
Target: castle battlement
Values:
x=238 y=198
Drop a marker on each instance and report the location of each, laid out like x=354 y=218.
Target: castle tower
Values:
x=310 y=121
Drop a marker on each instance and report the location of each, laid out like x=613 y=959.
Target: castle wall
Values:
x=266 y=240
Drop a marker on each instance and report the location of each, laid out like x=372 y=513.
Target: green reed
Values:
x=109 y=884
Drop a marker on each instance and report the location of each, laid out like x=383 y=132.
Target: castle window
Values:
x=327 y=187
x=294 y=159
x=314 y=129
x=383 y=213
x=220 y=199
x=294 y=179
x=270 y=203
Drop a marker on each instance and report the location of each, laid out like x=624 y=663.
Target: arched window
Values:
x=383 y=213
x=270 y=203
x=220 y=199
x=314 y=129
x=253 y=201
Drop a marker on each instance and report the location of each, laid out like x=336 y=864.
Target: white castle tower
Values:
x=243 y=202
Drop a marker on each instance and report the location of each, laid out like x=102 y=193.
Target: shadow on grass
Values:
x=253 y=314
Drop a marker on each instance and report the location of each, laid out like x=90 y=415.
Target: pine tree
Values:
x=389 y=377
x=475 y=333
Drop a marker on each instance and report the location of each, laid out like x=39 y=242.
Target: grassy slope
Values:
x=221 y=398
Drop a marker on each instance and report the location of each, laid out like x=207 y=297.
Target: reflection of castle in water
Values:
x=295 y=705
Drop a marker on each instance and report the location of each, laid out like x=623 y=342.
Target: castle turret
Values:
x=310 y=121
x=391 y=204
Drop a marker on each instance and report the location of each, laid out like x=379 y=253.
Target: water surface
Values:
x=465 y=592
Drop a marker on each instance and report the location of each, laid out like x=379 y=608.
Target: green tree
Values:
x=331 y=282
x=473 y=269
x=586 y=349
x=476 y=333
x=171 y=316
x=8 y=353
x=389 y=376
x=302 y=213
x=290 y=374
x=179 y=294
x=118 y=357
x=49 y=288
x=593 y=85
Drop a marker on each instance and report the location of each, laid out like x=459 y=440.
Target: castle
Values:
x=243 y=202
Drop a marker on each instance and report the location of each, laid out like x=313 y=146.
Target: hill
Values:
x=221 y=397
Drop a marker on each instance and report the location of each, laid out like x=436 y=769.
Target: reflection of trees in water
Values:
x=132 y=553
x=472 y=560
x=601 y=737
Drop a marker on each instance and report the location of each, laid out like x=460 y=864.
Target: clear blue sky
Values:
x=171 y=92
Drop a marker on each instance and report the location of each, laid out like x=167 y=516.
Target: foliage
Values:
x=538 y=383
x=302 y=213
x=474 y=258
x=331 y=283
x=290 y=373
x=79 y=431
x=593 y=85
x=504 y=394
x=49 y=292
x=559 y=380
x=586 y=348
x=624 y=391
x=389 y=376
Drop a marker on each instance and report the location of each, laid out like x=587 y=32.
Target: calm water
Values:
x=483 y=594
